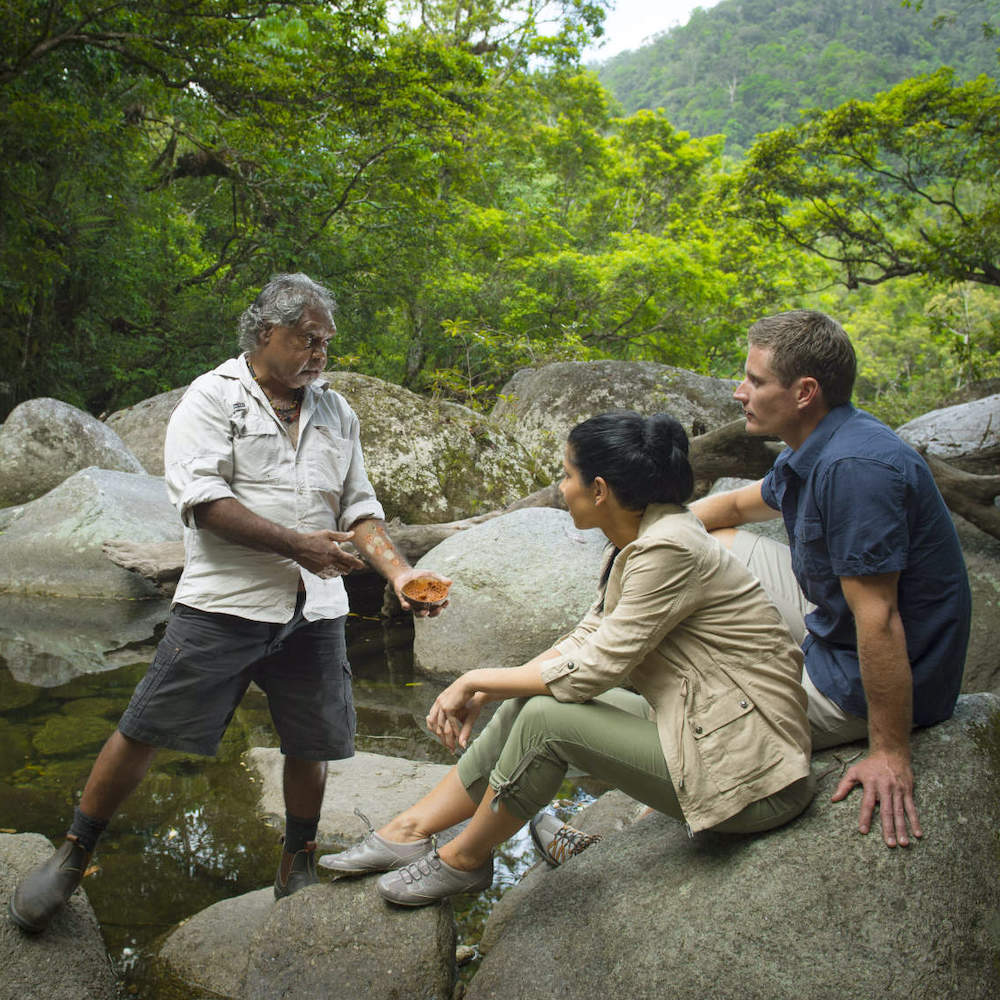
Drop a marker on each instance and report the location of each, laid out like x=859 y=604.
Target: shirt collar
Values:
x=803 y=459
x=238 y=368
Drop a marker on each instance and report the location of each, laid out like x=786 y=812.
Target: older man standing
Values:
x=264 y=464
x=874 y=582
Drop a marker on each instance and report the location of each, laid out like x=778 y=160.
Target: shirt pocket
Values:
x=256 y=449
x=731 y=739
x=328 y=460
x=810 y=546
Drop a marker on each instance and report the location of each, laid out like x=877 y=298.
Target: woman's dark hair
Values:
x=643 y=459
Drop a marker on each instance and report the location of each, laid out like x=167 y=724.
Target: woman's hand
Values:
x=454 y=713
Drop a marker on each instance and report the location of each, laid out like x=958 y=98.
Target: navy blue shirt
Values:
x=857 y=500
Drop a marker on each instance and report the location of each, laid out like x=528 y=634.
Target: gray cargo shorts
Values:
x=206 y=661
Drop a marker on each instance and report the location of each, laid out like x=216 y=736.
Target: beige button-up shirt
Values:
x=684 y=623
x=224 y=440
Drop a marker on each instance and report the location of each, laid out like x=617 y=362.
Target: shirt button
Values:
x=697 y=729
x=743 y=704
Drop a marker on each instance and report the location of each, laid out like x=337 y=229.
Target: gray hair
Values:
x=804 y=342
x=281 y=302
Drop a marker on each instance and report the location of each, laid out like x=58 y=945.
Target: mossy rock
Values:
x=433 y=461
x=95 y=707
x=64 y=734
x=15 y=741
x=14 y=694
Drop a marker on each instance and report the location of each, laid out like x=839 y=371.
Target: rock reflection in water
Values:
x=49 y=641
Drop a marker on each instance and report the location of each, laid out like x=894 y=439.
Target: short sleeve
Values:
x=864 y=515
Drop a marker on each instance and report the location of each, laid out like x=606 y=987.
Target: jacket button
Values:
x=697 y=729
x=743 y=704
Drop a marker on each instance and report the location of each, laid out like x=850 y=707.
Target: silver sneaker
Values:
x=556 y=841
x=374 y=854
x=430 y=879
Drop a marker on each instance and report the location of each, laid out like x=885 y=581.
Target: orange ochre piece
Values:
x=425 y=589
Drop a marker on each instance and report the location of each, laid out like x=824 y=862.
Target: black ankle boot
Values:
x=44 y=892
x=301 y=871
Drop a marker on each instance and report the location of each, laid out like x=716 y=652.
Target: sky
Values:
x=634 y=20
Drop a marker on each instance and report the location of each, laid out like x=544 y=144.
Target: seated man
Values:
x=874 y=583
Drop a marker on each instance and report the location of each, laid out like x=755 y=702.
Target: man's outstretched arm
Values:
x=733 y=508
x=885 y=775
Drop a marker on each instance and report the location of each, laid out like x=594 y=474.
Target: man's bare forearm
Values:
x=317 y=551
x=888 y=684
x=732 y=508
x=371 y=539
x=230 y=519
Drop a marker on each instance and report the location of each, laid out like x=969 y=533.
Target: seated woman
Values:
x=717 y=735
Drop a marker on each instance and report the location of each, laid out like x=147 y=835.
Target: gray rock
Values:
x=69 y=961
x=44 y=440
x=608 y=815
x=433 y=461
x=542 y=405
x=521 y=581
x=982 y=560
x=52 y=547
x=812 y=911
x=967 y=435
x=338 y=939
x=144 y=426
x=49 y=641
x=377 y=785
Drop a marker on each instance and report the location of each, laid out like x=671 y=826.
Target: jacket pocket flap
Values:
x=719 y=713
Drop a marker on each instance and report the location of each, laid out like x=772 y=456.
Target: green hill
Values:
x=749 y=66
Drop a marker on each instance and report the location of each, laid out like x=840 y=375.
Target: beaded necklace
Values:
x=286 y=414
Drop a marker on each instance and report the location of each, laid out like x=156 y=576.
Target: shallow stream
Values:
x=190 y=836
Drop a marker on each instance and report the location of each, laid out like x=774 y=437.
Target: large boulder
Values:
x=982 y=560
x=542 y=405
x=144 y=426
x=967 y=435
x=332 y=940
x=52 y=547
x=69 y=961
x=521 y=581
x=44 y=440
x=812 y=911
x=377 y=785
x=433 y=461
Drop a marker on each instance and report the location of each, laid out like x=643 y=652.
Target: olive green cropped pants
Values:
x=525 y=750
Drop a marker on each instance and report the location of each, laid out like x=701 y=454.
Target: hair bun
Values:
x=664 y=433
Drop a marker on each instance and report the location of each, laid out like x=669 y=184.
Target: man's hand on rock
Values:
x=886 y=778
x=320 y=553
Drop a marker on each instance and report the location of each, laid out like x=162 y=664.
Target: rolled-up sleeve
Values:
x=197 y=454
x=357 y=501
x=659 y=590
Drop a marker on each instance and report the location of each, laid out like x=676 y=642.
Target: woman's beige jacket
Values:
x=684 y=623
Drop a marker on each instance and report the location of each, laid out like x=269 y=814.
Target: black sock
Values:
x=86 y=829
x=298 y=832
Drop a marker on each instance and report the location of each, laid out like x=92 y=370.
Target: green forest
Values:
x=480 y=200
